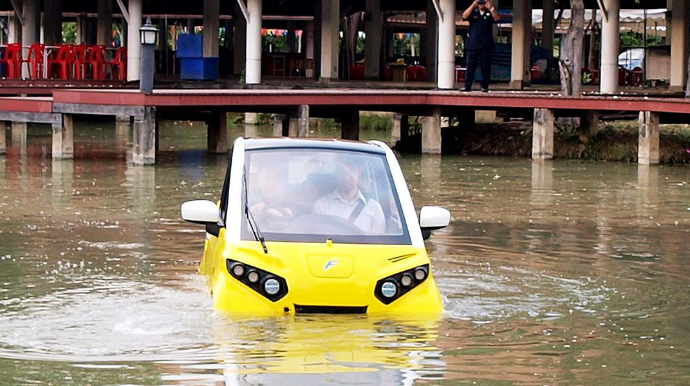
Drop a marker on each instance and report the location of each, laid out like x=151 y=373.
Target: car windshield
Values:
x=311 y=195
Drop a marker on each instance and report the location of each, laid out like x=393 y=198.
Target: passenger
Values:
x=271 y=211
x=348 y=202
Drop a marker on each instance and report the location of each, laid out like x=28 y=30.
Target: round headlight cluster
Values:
x=265 y=283
x=393 y=287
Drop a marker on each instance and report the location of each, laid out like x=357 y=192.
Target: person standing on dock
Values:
x=480 y=41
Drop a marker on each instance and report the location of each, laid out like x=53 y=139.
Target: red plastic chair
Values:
x=60 y=62
x=35 y=61
x=96 y=62
x=12 y=60
x=80 y=61
x=118 y=66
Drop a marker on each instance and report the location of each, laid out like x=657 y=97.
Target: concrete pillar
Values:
x=431 y=133
x=3 y=137
x=123 y=124
x=522 y=31
x=395 y=128
x=52 y=22
x=211 y=27
x=144 y=138
x=19 y=134
x=217 y=132
x=63 y=138
x=31 y=28
x=446 y=47
x=251 y=118
x=609 y=48
x=253 y=66
x=350 y=126
x=281 y=125
x=679 y=44
x=429 y=45
x=330 y=31
x=104 y=23
x=547 y=25
x=373 y=25
x=648 y=144
x=299 y=122
x=239 y=48
x=542 y=134
x=133 y=42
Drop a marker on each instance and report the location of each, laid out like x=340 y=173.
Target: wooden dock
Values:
x=295 y=106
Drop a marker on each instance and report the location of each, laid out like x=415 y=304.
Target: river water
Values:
x=551 y=273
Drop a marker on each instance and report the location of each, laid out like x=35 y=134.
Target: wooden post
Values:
x=648 y=145
x=217 y=133
x=350 y=126
x=144 y=138
x=63 y=138
x=431 y=132
x=542 y=134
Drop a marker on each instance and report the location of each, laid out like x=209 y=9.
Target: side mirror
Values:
x=202 y=212
x=432 y=218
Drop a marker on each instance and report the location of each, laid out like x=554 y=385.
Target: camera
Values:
x=481 y=2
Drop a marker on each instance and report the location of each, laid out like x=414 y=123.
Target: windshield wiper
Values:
x=250 y=218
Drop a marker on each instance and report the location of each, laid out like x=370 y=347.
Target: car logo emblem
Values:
x=330 y=264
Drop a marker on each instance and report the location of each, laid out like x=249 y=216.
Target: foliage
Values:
x=636 y=39
x=277 y=43
x=403 y=46
x=69 y=32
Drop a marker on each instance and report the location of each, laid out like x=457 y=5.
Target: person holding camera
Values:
x=480 y=41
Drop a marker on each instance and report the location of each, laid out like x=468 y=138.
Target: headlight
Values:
x=269 y=285
x=393 y=287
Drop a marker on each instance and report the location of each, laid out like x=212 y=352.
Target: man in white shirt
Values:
x=348 y=202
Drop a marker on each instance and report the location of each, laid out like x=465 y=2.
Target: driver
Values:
x=270 y=209
x=348 y=202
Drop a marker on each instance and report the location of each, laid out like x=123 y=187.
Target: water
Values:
x=552 y=273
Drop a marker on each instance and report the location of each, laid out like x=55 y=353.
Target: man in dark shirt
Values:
x=480 y=41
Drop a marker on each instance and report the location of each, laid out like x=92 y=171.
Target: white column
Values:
x=14 y=33
x=253 y=66
x=446 y=47
x=104 y=29
x=679 y=44
x=522 y=29
x=547 y=25
x=373 y=26
x=133 y=42
x=211 y=27
x=542 y=134
x=330 y=28
x=648 y=142
x=609 y=48
x=31 y=27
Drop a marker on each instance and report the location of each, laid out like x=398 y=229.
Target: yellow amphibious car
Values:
x=316 y=226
